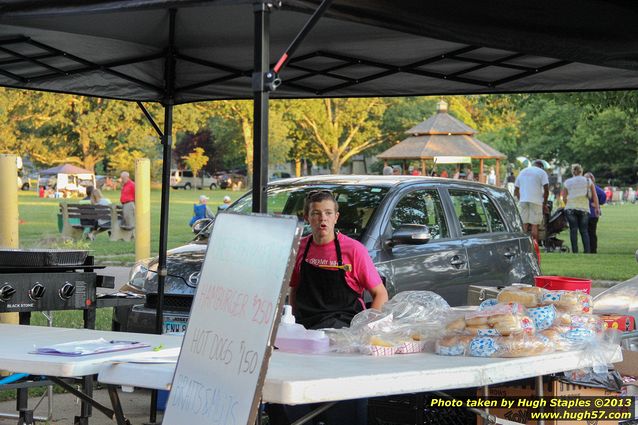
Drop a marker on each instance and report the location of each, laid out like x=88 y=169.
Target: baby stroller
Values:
x=553 y=224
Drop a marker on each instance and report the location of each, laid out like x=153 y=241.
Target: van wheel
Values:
x=187 y=186
x=213 y=186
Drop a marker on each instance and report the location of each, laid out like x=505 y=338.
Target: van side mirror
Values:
x=410 y=234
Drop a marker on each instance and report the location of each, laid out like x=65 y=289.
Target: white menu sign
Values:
x=228 y=342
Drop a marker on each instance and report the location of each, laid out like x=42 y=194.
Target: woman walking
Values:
x=578 y=190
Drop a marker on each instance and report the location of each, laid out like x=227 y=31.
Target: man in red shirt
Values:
x=127 y=199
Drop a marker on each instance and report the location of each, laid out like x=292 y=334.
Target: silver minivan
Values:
x=474 y=237
x=184 y=179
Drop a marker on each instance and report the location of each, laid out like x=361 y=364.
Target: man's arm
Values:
x=517 y=193
x=594 y=198
x=379 y=296
x=545 y=196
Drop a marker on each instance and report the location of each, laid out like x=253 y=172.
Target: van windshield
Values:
x=357 y=204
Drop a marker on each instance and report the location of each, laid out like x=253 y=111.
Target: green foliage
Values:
x=196 y=160
x=339 y=128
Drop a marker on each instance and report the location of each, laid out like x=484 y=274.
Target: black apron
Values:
x=324 y=299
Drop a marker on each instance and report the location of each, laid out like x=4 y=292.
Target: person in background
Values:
x=576 y=194
x=531 y=188
x=491 y=177
x=127 y=199
x=225 y=203
x=510 y=182
x=457 y=173
x=201 y=210
x=594 y=214
x=444 y=173
x=396 y=171
x=387 y=170
x=469 y=174
x=89 y=190
x=98 y=199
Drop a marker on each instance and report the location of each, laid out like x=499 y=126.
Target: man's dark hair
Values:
x=319 y=196
x=538 y=163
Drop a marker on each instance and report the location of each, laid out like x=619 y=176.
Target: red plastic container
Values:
x=563 y=283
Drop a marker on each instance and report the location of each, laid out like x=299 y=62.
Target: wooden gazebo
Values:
x=442 y=136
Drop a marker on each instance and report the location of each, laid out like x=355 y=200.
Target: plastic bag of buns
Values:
x=453 y=345
x=521 y=345
x=573 y=302
x=525 y=295
x=524 y=345
x=499 y=320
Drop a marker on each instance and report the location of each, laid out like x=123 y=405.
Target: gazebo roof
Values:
x=441 y=135
x=441 y=123
x=428 y=147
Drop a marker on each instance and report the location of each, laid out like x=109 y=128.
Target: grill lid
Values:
x=42 y=257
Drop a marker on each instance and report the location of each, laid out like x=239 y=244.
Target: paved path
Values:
x=66 y=406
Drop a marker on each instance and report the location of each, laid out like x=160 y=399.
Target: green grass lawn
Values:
x=39 y=229
x=617 y=243
x=618 y=240
x=39 y=223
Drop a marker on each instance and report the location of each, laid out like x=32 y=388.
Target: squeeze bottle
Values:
x=294 y=338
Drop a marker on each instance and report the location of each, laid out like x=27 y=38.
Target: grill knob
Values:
x=37 y=291
x=6 y=292
x=67 y=291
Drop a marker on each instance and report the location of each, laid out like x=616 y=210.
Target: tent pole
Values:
x=167 y=142
x=262 y=78
x=166 y=170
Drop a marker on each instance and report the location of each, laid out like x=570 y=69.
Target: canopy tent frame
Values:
x=346 y=62
x=384 y=16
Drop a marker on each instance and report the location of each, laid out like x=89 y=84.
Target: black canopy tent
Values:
x=179 y=51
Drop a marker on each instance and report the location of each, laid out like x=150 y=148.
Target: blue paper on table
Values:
x=88 y=347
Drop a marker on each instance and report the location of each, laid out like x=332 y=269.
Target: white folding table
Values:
x=303 y=379
x=20 y=340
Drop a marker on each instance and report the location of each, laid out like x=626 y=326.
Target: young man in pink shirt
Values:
x=332 y=271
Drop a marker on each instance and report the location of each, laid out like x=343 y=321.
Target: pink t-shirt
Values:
x=363 y=276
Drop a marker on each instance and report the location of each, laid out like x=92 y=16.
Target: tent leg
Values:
x=261 y=97
x=167 y=142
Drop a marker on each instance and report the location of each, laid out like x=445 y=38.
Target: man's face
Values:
x=322 y=218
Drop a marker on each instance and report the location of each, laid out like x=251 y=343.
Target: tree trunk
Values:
x=247 y=131
x=297 y=167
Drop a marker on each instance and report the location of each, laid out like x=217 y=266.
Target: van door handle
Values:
x=457 y=261
x=509 y=254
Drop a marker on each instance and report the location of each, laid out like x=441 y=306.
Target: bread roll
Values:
x=456 y=325
x=527 y=299
x=476 y=321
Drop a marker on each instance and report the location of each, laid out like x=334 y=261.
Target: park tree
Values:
x=605 y=142
x=340 y=128
x=237 y=128
x=196 y=160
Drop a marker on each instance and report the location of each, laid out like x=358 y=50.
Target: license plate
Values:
x=174 y=325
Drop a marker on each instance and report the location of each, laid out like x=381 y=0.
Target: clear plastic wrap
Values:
x=527 y=296
x=409 y=323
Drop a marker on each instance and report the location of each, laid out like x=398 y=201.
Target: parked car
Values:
x=231 y=180
x=185 y=179
x=278 y=175
x=475 y=238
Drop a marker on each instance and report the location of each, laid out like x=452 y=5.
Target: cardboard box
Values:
x=629 y=364
x=551 y=388
x=620 y=322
